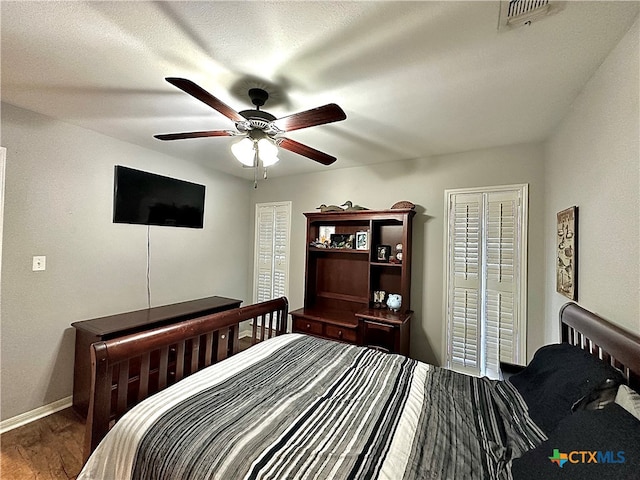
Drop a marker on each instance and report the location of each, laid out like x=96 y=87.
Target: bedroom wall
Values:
x=59 y=190
x=593 y=161
x=422 y=182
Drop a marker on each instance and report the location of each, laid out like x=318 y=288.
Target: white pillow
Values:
x=629 y=400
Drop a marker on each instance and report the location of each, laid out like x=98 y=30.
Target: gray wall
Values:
x=59 y=194
x=422 y=182
x=593 y=161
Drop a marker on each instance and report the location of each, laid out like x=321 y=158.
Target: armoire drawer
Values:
x=303 y=325
x=341 y=333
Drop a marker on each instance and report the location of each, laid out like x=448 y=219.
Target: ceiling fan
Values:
x=262 y=131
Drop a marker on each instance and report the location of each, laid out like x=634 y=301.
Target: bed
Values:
x=297 y=406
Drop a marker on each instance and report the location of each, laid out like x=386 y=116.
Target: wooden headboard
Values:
x=603 y=339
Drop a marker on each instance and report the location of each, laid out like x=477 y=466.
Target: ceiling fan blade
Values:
x=201 y=94
x=305 y=150
x=310 y=118
x=207 y=133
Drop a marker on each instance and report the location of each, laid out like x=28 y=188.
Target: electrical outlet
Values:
x=39 y=263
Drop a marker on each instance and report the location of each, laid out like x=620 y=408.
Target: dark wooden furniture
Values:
x=111 y=360
x=339 y=283
x=121 y=368
x=385 y=330
x=115 y=326
x=602 y=339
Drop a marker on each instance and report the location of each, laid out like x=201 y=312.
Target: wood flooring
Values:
x=47 y=449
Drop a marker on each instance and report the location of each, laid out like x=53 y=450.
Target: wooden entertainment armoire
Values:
x=340 y=282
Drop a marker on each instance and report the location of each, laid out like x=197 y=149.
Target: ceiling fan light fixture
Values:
x=268 y=152
x=244 y=151
x=256 y=125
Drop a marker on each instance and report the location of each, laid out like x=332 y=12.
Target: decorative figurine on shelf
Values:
x=329 y=208
x=403 y=204
x=319 y=244
x=394 y=302
x=378 y=298
x=350 y=206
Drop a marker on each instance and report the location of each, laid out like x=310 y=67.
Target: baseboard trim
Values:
x=35 y=414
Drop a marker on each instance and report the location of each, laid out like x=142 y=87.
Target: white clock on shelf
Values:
x=399 y=252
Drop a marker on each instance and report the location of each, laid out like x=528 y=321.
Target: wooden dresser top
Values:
x=128 y=321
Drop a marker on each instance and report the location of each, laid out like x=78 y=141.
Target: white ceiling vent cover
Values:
x=517 y=13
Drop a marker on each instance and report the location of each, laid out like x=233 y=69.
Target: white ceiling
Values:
x=414 y=78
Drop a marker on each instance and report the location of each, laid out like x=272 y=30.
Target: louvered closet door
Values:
x=264 y=256
x=272 y=251
x=281 y=251
x=502 y=258
x=464 y=256
x=486 y=279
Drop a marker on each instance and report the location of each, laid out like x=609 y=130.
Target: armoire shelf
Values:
x=339 y=282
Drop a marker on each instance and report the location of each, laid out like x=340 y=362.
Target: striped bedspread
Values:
x=302 y=407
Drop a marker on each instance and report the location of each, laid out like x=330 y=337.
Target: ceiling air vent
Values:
x=517 y=13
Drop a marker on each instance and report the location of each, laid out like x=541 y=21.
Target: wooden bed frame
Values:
x=126 y=370
x=602 y=339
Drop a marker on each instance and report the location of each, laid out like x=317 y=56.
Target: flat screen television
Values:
x=149 y=199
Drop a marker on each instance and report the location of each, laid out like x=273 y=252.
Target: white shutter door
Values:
x=486 y=270
x=501 y=283
x=264 y=253
x=271 y=270
x=464 y=257
x=281 y=251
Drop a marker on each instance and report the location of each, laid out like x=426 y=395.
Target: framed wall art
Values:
x=567 y=253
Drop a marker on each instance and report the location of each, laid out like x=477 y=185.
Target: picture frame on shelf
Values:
x=383 y=252
x=567 y=253
x=325 y=232
x=339 y=240
x=378 y=298
x=362 y=240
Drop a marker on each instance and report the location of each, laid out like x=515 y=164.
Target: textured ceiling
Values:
x=414 y=78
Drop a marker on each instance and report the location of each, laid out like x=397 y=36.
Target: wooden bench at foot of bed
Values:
x=126 y=370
